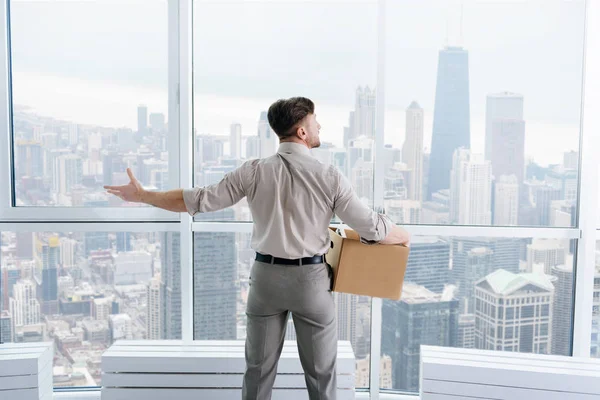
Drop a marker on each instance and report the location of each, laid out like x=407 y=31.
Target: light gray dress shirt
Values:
x=292 y=198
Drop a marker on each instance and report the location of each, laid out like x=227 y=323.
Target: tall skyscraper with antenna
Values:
x=451 y=118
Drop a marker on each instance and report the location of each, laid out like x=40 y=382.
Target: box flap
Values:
x=351 y=234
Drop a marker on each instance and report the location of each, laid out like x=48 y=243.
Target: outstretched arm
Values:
x=171 y=200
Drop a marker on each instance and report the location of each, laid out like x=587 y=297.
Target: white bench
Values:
x=208 y=369
x=26 y=371
x=453 y=373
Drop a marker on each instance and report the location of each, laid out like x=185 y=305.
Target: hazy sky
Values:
x=271 y=49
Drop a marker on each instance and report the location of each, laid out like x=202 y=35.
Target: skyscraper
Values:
x=571 y=160
x=513 y=312
x=252 y=147
x=478 y=265
x=403 y=211
x=391 y=156
x=451 y=119
x=47 y=258
x=506 y=201
x=6 y=327
x=428 y=263
x=421 y=317
x=112 y=163
x=364 y=113
x=412 y=151
x=68 y=248
x=235 y=141
x=361 y=178
x=471 y=189
x=69 y=172
x=154 y=308
x=29 y=159
x=215 y=291
x=142 y=125
x=544 y=196
x=95 y=241
x=505 y=134
x=506 y=254
x=562 y=309
x=157 y=122
x=346 y=309
x=24 y=306
x=544 y=254
x=566 y=180
x=268 y=139
x=466 y=331
x=360 y=166
x=170 y=257
x=123 y=242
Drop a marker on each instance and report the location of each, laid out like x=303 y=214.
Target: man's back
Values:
x=292 y=197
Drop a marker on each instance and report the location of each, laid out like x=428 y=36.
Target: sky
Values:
x=94 y=61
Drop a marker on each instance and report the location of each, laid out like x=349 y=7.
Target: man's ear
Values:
x=300 y=132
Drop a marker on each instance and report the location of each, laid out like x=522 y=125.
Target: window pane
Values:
x=251 y=54
x=222 y=269
x=84 y=290
x=475 y=134
x=595 y=351
x=90 y=99
x=479 y=293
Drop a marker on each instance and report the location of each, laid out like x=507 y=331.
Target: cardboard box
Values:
x=367 y=270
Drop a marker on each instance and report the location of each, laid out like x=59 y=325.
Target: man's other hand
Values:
x=131 y=192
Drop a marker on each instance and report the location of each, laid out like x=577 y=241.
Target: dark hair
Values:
x=284 y=115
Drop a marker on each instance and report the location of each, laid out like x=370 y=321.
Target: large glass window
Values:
x=248 y=55
x=84 y=290
x=475 y=135
x=89 y=91
x=482 y=127
x=483 y=293
x=222 y=267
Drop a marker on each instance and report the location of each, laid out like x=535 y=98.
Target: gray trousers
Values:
x=275 y=291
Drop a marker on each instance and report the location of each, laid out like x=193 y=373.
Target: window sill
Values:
x=95 y=395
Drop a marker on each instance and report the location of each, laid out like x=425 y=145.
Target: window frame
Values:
x=181 y=170
x=10 y=212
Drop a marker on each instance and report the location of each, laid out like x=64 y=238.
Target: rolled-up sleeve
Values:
x=226 y=193
x=371 y=226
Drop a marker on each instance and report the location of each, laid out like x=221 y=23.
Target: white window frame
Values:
x=8 y=212
x=181 y=126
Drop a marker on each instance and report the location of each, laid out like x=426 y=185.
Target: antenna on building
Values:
x=460 y=38
x=447 y=28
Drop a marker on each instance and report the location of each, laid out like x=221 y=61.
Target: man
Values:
x=293 y=198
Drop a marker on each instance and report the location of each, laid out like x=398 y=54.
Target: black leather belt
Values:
x=284 y=261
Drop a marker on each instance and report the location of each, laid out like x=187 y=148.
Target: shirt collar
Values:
x=293 y=148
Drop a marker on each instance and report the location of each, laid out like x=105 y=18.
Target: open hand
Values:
x=131 y=192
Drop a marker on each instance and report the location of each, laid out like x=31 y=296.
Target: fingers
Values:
x=114 y=187
x=131 y=175
x=115 y=192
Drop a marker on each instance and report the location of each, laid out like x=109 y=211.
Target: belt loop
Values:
x=300 y=262
x=272 y=260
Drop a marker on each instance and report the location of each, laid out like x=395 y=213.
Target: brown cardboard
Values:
x=367 y=270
